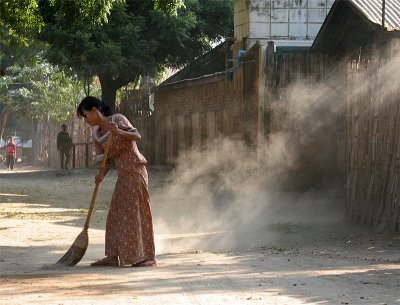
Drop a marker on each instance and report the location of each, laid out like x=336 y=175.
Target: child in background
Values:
x=11 y=153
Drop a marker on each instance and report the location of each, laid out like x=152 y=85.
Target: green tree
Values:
x=20 y=125
x=21 y=19
x=40 y=91
x=14 y=55
x=138 y=39
x=22 y=84
x=20 y=23
x=11 y=100
x=52 y=94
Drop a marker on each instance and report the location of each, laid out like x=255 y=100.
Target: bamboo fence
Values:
x=373 y=144
x=371 y=149
x=45 y=151
x=136 y=107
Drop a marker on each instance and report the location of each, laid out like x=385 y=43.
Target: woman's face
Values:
x=91 y=117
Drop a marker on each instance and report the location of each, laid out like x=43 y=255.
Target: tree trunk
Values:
x=5 y=111
x=109 y=87
x=108 y=95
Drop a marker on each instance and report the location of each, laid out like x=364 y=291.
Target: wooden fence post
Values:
x=73 y=155
x=87 y=155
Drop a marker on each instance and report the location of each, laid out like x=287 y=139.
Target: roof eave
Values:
x=374 y=26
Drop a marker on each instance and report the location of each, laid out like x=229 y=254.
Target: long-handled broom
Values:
x=78 y=248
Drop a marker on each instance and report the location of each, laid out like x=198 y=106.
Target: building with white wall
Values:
x=286 y=22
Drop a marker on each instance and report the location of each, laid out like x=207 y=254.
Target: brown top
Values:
x=119 y=146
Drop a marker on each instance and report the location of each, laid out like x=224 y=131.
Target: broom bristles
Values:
x=77 y=250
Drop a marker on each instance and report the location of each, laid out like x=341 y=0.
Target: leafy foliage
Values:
x=21 y=19
x=18 y=20
x=138 y=39
x=168 y=6
x=41 y=91
x=52 y=95
x=18 y=124
x=11 y=85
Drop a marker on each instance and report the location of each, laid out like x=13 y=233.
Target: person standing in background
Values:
x=11 y=153
x=64 y=144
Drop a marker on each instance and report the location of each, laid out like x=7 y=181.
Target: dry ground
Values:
x=42 y=211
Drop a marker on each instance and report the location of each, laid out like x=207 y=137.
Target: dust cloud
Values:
x=232 y=197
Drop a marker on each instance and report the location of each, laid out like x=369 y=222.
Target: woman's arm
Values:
x=132 y=134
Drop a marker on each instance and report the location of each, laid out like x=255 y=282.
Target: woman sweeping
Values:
x=129 y=227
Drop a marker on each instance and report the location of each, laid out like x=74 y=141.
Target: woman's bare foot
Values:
x=111 y=261
x=146 y=263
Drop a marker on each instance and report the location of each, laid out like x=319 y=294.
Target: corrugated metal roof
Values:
x=352 y=24
x=372 y=9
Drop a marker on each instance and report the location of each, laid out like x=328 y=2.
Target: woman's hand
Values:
x=114 y=128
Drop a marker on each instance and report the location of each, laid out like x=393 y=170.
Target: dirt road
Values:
x=42 y=211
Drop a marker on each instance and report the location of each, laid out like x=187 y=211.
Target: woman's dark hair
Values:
x=89 y=102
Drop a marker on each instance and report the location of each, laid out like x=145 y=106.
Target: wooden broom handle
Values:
x=96 y=188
